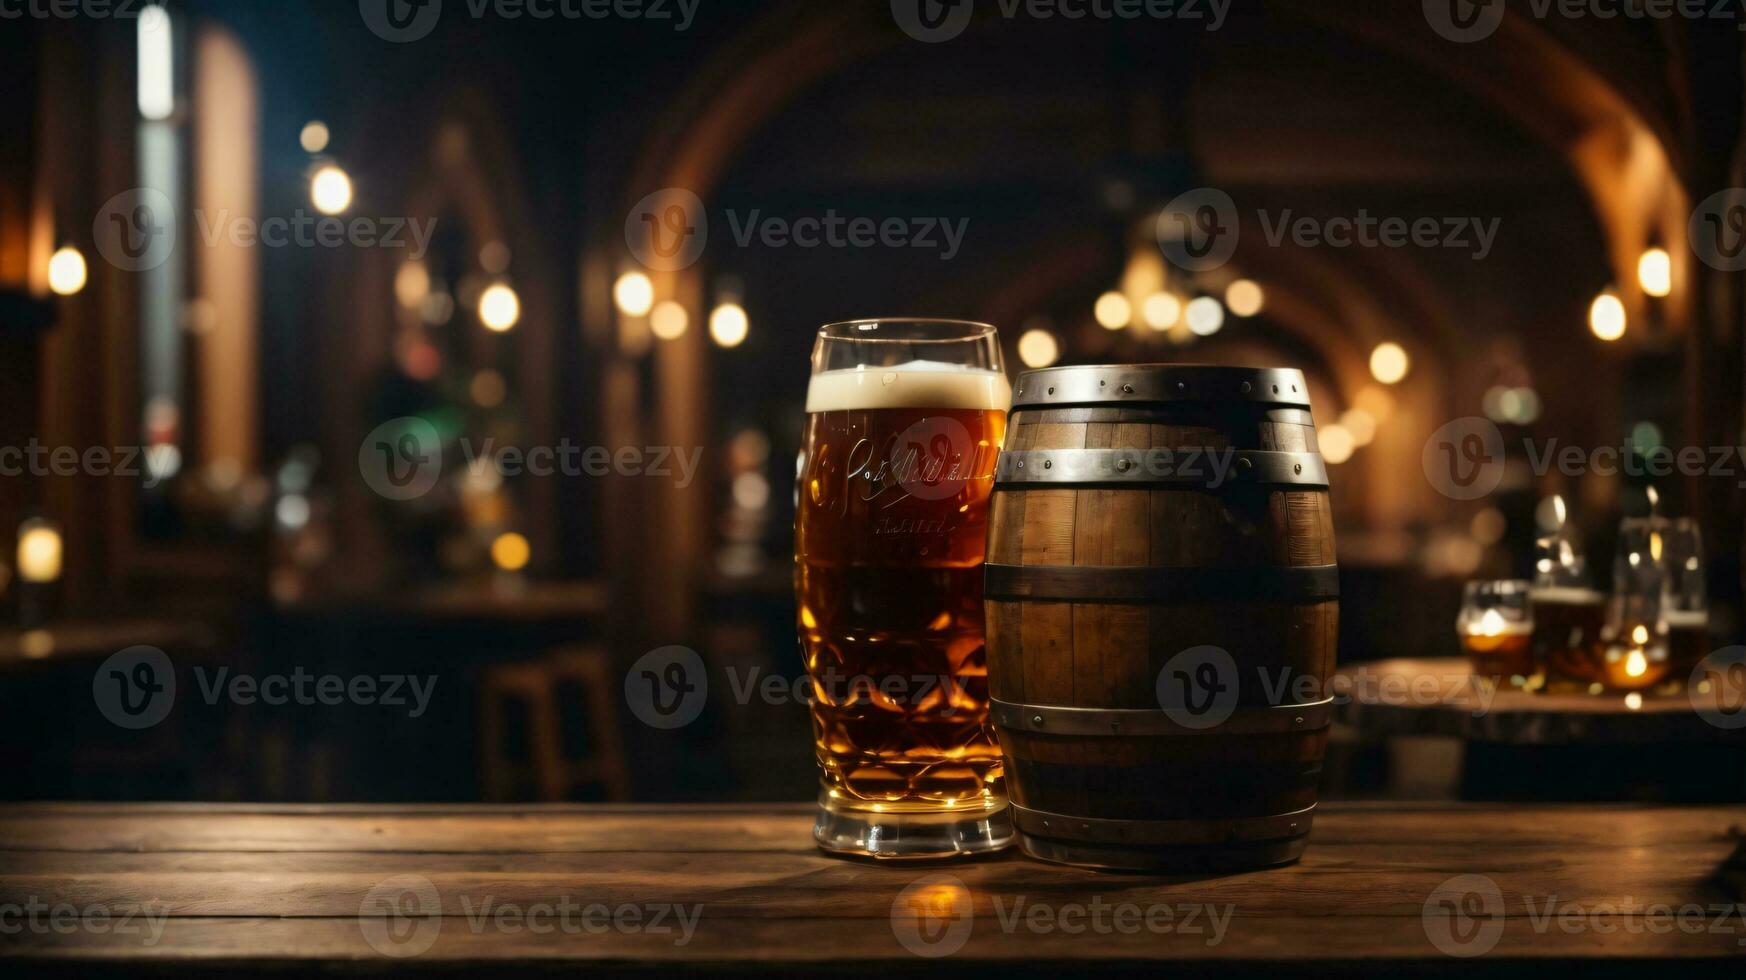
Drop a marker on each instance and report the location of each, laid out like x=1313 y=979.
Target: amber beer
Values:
x=1507 y=653
x=896 y=470
x=1567 y=634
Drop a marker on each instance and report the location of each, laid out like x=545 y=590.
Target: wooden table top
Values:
x=740 y=889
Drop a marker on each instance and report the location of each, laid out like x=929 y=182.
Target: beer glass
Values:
x=1633 y=652
x=904 y=421
x=1686 y=603
x=1496 y=628
x=1568 y=613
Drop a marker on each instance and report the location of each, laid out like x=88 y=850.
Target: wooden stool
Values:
x=535 y=684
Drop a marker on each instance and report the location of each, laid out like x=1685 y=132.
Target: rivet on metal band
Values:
x=1136 y=383
x=1151 y=584
x=1114 y=722
x=1063 y=826
x=1183 y=467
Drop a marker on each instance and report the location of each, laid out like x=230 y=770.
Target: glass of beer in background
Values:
x=1633 y=652
x=904 y=421
x=1496 y=628
x=1686 y=606
x=1568 y=612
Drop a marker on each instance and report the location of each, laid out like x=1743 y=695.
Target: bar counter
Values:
x=1433 y=887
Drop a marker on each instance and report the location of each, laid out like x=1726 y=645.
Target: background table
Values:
x=283 y=886
x=1516 y=745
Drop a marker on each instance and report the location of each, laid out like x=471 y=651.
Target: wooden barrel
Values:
x=1162 y=608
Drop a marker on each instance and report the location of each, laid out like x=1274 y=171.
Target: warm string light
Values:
x=1205 y=316
x=40 y=551
x=1244 y=297
x=729 y=325
x=1606 y=316
x=634 y=294
x=67 y=271
x=499 y=308
x=314 y=136
x=1655 y=272
x=510 y=552
x=1161 y=311
x=1113 y=311
x=1389 y=363
x=668 y=320
x=330 y=190
x=1037 y=348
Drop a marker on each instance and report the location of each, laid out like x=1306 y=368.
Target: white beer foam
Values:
x=1686 y=617
x=1565 y=593
x=917 y=384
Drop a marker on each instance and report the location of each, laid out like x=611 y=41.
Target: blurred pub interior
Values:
x=251 y=373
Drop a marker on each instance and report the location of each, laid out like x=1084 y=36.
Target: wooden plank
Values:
x=551 y=828
x=1332 y=881
x=722 y=944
